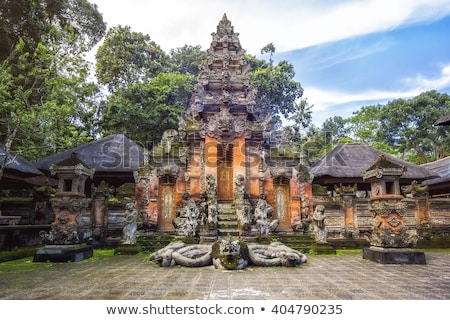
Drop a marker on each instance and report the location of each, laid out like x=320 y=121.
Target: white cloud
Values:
x=422 y=83
x=328 y=103
x=289 y=24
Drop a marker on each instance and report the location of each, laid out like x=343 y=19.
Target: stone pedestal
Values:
x=394 y=255
x=63 y=253
x=322 y=248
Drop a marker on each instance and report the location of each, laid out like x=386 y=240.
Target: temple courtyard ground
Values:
x=345 y=276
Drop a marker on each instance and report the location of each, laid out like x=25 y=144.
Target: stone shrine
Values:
x=206 y=178
x=391 y=241
x=66 y=239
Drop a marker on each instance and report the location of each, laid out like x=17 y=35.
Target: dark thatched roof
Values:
x=350 y=160
x=442 y=168
x=114 y=153
x=19 y=165
x=443 y=121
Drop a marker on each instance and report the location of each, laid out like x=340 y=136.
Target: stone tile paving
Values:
x=342 y=277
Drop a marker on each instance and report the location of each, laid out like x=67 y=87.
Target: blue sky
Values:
x=341 y=76
x=346 y=54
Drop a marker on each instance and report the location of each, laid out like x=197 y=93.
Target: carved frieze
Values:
x=225 y=126
x=384 y=208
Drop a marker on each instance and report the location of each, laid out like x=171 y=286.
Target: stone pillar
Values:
x=348 y=195
x=146 y=196
x=100 y=196
x=42 y=208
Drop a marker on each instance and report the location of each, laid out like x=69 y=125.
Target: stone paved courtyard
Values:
x=346 y=276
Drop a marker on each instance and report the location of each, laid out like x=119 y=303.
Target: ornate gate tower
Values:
x=220 y=123
x=221 y=157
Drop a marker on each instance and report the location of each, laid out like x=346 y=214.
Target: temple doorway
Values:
x=225 y=172
x=281 y=199
x=167 y=204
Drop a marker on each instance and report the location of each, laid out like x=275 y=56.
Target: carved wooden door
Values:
x=166 y=207
x=282 y=210
x=225 y=179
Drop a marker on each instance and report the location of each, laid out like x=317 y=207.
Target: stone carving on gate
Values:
x=188 y=218
x=387 y=207
x=320 y=230
x=210 y=205
x=414 y=190
x=69 y=203
x=224 y=126
x=263 y=214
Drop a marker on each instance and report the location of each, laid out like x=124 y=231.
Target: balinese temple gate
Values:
x=224 y=171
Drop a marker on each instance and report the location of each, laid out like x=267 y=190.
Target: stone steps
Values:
x=299 y=242
x=227 y=224
x=153 y=241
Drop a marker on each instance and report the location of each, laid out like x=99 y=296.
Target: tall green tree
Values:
x=147 y=91
x=143 y=111
x=320 y=140
x=33 y=20
x=279 y=95
x=187 y=59
x=44 y=111
x=334 y=129
x=46 y=98
x=408 y=126
x=127 y=57
x=364 y=126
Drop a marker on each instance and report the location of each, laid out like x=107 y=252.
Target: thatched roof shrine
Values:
x=113 y=157
x=114 y=153
x=347 y=162
x=19 y=172
x=441 y=184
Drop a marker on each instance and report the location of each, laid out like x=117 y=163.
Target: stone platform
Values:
x=63 y=253
x=394 y=255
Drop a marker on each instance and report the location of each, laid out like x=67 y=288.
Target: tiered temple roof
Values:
x=223 y=102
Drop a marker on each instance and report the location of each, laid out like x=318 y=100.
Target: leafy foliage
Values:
x=148 y=89
x=43 y=108
x=49 y=104
x=32 y=21
x=405 y=128
x=187 y=59
x=143 y=111
x=408 y=126
x=128 y=57
x=278 y=93
x=46 y=97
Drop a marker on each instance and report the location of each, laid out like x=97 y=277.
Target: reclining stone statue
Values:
x=231 y=254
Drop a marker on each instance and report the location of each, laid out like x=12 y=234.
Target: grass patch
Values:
x=125 y=249
x=16 y=253
x=340 y=252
